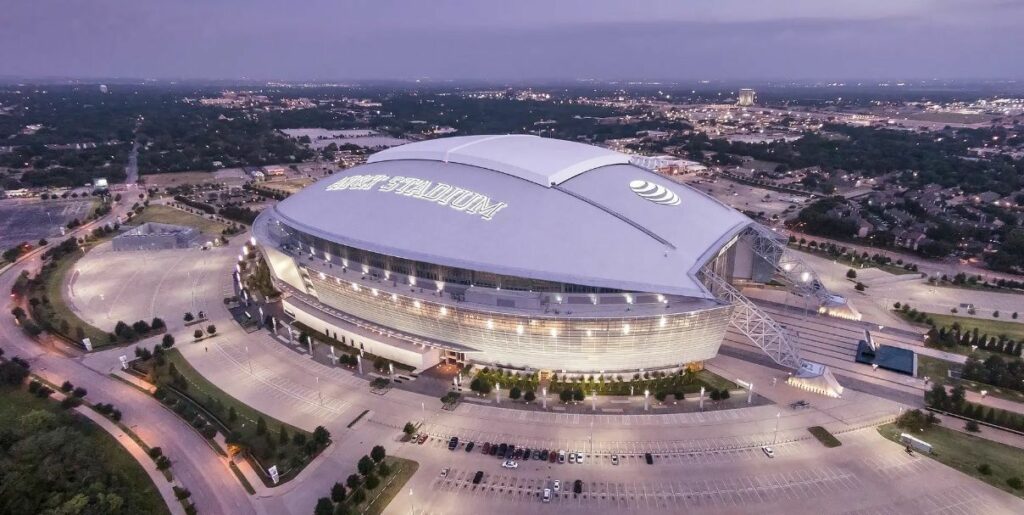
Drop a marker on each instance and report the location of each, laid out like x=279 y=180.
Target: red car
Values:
x=486 y=448
x=422 y=438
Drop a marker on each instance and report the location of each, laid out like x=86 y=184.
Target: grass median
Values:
x=169 y=215
x=195 y=399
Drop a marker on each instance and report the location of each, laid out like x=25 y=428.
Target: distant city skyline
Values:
x=525 y=40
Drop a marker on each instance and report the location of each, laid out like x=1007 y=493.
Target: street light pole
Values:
x=778 y=417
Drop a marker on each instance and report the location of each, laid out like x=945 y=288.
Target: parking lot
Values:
x=866 y=475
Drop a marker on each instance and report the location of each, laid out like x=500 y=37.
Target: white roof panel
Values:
x=542 y=161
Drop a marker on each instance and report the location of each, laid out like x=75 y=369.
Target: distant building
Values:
x=273 y=171
x=156 y=236
x=747 y=97
x=104 y=89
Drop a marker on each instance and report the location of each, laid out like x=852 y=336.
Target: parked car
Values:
x=422 y=438
x=453 y=443
x=557 y=485
x=510 y=464
x=502 y=449
x=537 y=454
x=478 y=477
x=577 y=487
x=615 y=459
x=547 y=495
x=572 y=457
x=526 y=454
x=579 y=458
x=510 y=452
x=518 y=454
x=444 y=472
x=552 y=456
x=469 y=447
x=561 y=456
x=494 y=449
x=768 y=451
x=650 y=458
x=487 y=448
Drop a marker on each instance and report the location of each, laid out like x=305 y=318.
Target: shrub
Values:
x=79 y=392
x=984 y=469
x=1015 y=483
x=155 y=452
x=515 y=393
x=577 y=395
x=972 y=426
x=211 y=329
x=358 y=496
x=66 y=386
x=383 y=469
x=409 y=428
x=163 y=463
x=181 y=493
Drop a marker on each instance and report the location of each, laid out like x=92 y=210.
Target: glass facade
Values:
x=624 y=341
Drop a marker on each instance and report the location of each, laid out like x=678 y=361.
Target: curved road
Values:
x=205 y=473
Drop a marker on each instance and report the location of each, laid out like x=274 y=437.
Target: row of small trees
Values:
x=346 y=497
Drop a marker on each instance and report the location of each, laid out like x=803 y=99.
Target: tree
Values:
x=851 y=274
x=860 y=287
x=211 y=329
x=189 y=316
x=168 y=341
x=66 y=386
x=515 y=393
x=232 y=414
x=198 y=334
x=377 y=453
x=365 y=465
x=565 y=395
x=324 y=506
x=353 y=481
x=409 y=428
x=578 y=396
x=12 y=373
x=321 y=436
x=972 y=426
x=383 y=469
x=724 y=394
x=338 y=492
x=261 y=426
x=157 y=324
x=529 y=396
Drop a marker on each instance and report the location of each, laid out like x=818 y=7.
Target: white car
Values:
x=561 y=458
x=547 y=495
x=557 y=485
x=444 y=472
x=572 y=457
x=768 y=451
x=510 y=464
x=579 y=458
x=615 y=459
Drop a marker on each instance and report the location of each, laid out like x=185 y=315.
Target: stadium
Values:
x=517 y=251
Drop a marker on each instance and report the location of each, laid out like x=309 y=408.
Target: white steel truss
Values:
x=802 y=279
x=754 y=323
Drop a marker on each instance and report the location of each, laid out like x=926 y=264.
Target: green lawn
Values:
x=58 y=309
x=934 y=368
x=991 y=326
x=83 y=446
x=402 y=470
x=169 y=215
x=289 y=457
x=966 y=453
x=827 y=439
x=689 y=384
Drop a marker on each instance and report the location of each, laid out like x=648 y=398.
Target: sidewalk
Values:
x=165 y=487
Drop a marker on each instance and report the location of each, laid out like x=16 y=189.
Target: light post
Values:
x=412 y=507
x=593 y=402
x=702 y=398
x=497 y=393
x=544 y=396
x=249 y=359
x=647 y=394
x=319 y=392
x=778 y=417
